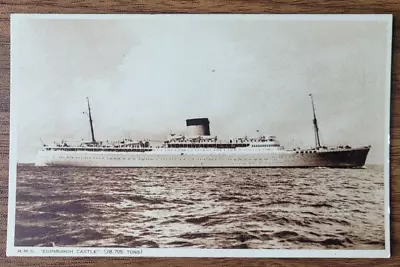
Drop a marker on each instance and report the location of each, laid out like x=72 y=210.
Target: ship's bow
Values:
x=41 y=158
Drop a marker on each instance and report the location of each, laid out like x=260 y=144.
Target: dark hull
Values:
x=338 y=158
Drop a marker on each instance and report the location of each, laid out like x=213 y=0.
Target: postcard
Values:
x=188 y=135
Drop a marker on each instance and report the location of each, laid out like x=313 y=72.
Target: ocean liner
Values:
x=198 y=148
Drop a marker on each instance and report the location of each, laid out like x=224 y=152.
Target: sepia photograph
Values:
x=200 y=135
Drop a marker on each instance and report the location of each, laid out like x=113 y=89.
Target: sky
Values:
x=146 y=74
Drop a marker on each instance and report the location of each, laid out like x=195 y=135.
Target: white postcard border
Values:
x=191 y=253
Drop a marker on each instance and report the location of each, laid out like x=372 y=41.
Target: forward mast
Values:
x=315 y=122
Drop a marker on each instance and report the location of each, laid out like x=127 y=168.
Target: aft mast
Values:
x=90 y=120
x=316 y=129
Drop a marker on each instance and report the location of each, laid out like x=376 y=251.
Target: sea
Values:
x=247 y=208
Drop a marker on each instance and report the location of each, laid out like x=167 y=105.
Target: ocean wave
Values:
x=69 y=207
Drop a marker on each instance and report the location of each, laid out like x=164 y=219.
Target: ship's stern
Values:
x=353 y=158
x=360 y=156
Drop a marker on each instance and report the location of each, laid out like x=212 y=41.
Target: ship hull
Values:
x=337 y=158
